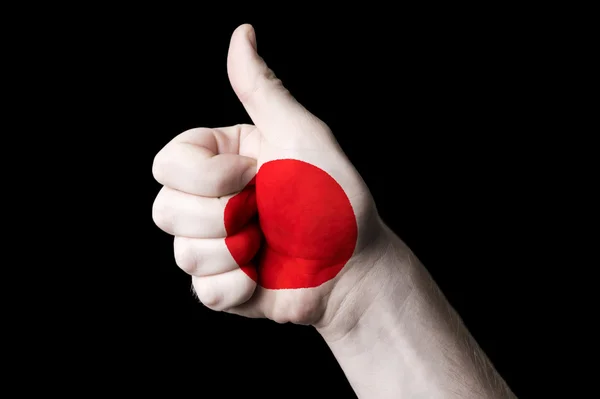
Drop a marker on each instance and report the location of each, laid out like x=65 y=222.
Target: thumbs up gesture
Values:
x=271 y=219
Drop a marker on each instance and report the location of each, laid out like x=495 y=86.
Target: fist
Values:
x=271 y=219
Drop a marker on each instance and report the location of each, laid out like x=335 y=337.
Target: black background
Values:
x=434 y=111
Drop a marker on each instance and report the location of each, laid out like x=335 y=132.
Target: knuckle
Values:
x=209 y=295
x=280 y=316
x=300 y=312
x=264 y=82
x=185 y=257
x=158 y=167
x=161 y=213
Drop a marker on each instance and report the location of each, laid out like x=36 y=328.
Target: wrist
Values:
x=395 y=335
x=378 y=282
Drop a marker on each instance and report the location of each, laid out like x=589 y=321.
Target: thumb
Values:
x=268 y=103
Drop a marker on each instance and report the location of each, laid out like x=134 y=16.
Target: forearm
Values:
x=403 y=339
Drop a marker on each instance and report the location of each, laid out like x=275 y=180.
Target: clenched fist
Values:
x=271 y=219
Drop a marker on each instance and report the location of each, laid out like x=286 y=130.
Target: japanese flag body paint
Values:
x=308 y=223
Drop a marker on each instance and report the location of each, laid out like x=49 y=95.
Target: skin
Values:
x=385 y=320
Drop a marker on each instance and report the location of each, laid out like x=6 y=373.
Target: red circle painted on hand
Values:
x=307 y=220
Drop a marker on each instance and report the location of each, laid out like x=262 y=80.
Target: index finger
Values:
x=204 y=162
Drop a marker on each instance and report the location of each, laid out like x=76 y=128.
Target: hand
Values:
x=271 y=219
